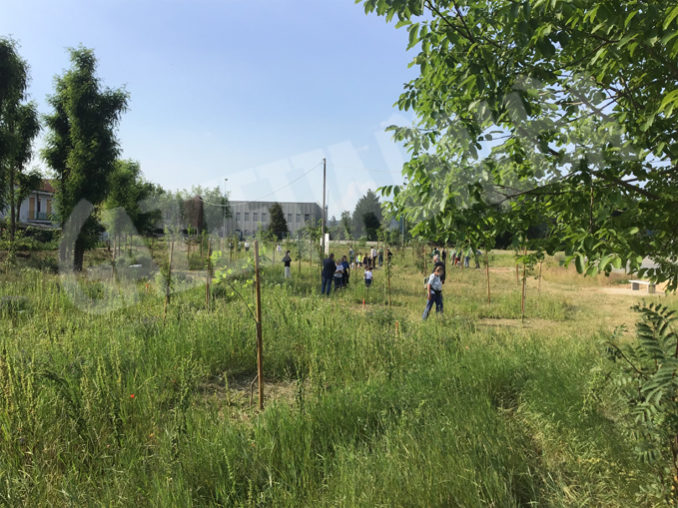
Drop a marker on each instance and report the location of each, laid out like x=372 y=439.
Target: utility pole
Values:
x=324 y=214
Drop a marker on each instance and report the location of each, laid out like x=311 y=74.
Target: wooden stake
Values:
x=539 y=286
x=209 y=274
x=260 y=358
x=388 y=270
x=487 y=273
x=168 y=282
x=522 y=297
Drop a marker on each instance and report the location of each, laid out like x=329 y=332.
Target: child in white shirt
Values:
x=434 y=289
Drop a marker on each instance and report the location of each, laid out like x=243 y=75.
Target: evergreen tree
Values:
x=278 y=225
x=366 y=204
x=372 y=225
x=346 y=224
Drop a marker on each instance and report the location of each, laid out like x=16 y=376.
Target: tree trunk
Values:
x=78 y=255
x=12 y=199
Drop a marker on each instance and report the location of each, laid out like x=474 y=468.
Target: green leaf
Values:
x=671 y=16
x=670 y=97
x=667 y=38
x=602 y=264
x=579 y=263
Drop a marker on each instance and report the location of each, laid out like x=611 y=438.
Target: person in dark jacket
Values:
x=329 y=267
x=438 y=263
x=287 y=261
x=347 y=270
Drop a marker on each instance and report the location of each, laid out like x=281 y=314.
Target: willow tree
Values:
x=564 y=107
x=82 y=149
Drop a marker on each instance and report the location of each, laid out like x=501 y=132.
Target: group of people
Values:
x=457 y=256
x=338 y=273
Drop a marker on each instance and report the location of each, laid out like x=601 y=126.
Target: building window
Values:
x=263 y=217
x=289 y=217
x=247 y=216
x=307 y=217
x=298 y=217
x=237 y=216
x=255 y=216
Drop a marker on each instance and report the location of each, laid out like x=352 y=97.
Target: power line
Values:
x=290 y=183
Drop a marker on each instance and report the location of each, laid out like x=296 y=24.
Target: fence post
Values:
x=168 y=282
x=260 y=359
x=209 y=273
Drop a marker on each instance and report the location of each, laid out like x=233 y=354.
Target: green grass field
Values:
x=366 y=405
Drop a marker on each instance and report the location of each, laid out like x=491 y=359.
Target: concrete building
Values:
x=247 y=217
x=37 y=209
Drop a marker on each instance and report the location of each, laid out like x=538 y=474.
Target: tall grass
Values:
x=123 y=408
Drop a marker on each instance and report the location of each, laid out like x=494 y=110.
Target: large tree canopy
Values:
x=13 y=82
x=128 y=190
x=565 y=108
x=19 y=125
x=82 y=148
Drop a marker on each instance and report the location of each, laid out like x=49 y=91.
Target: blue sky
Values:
x=256 y=91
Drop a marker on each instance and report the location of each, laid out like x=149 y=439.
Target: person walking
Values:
x=467 y=256
x=434 y=290
x=287 y=261
x=329 y=267
x=368 y=277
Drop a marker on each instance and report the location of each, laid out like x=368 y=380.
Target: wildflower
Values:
x=131 y=395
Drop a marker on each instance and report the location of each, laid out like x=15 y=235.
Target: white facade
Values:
x=37 y=208
x=247 y=217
